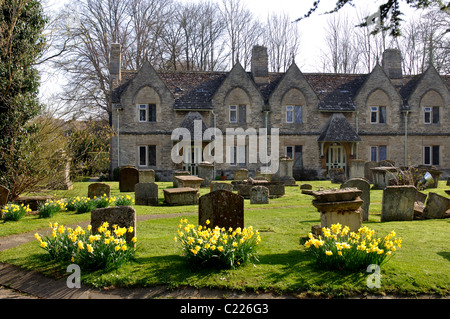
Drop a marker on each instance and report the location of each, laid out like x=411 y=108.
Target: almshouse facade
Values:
x=324 y=121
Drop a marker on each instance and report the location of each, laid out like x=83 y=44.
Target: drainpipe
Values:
x=214 y=125
x=118 y=135
x=406 y=137
x=357 y=132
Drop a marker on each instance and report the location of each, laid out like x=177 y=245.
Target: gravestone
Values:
x=122 y=216
x=398 y=203
x=436 y=206
x=4 y=193
x=285 y=172
x=356 y=168
x=305 y=186
x=363 y=185
x=206 y=171
x=259 y=195
x=128 y=178
x=189 y=181
x=98 y=190
x=241 y=174
x=220 y=185
x=368 y=170
x=146 y=176
x=146 y=194
x=222 y=208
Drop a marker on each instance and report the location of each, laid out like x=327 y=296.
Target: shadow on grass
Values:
x=444 y=254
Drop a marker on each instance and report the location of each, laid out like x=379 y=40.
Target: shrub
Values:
x=106 y=249
x=123 y=201
x=218 y=247
x=83 y=205
x=14 y=212
x=50 y=208
x=339 y=249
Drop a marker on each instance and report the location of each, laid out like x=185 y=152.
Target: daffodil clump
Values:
x=339 y=248
x=14 y=212
x=50 y=208
x=123 y=201
x=104 y=249
x=85 y=204
x=221 y=247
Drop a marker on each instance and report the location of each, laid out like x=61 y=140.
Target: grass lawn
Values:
x=421 y=266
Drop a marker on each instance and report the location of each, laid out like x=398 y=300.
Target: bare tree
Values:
x=282 y=40
x=341 y=54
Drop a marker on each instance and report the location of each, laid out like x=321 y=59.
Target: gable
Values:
x=377 y=82
x=293 y=88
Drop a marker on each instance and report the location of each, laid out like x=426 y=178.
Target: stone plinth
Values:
x=382 y=175
x=122 y=216
x=222 y=208
x=398 y=203
x=285 y=174
x=33 y=201
x=189 y=181
x=206 y=171
x=341 y=206
x=178 y=173
x=181 y=196
x=146 y=176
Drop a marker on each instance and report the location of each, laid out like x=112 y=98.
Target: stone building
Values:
x=324 y=120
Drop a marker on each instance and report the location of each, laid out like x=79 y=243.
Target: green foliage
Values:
x=50 y=208
x=21 y=43
x=14 y=212
x=88 y=145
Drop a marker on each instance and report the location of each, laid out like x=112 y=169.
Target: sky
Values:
x=312 y=29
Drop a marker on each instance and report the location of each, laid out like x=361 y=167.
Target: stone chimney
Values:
x=392 y=65
x=260 y=64
x=115 y=65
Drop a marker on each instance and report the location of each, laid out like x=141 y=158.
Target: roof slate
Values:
x=194 y=90
x=338 y=129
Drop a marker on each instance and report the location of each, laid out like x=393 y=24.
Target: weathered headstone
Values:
x=220 y=185
x=122 y=216
x=128 y=178
x=98 y=190
x=436 y=206
x=363 y=185
x=146 y=176
x=259 y=195
x=222 y=208
x=4 y=193
x=305 y=186
x=206 y=171
x=241 y=174
x=398 y=203
x=285 y=172
x=383 y=175
x=356 y=168
x=368 y=172
x=189 y=181
x=181 y=196
x=146 y=194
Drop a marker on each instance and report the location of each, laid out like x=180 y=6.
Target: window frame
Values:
x=294 y=110
x=378 y=110
x=147 y=155
x=235 y=111
x=377 y=153
x=433 y=160
x=433 y=112
x=149 y=112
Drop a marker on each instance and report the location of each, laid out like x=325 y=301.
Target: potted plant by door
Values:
x=222 y=176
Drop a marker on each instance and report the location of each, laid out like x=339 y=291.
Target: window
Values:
x=378 y=153
x=238 y=155
x=147 y=112
x=378 y=114
x=294 y=114
x=238 y=113
x=431 y=155
x=431 y=115
x=295 y=153
x=233 y=113
x=147 y=155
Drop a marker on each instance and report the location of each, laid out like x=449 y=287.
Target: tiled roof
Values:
x=338 y=129
x=194 y=90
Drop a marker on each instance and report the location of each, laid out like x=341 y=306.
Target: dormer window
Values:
x=238 y=113
x=378 y=114
x=294 y=114
x=431 y=115
x=147 y=112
